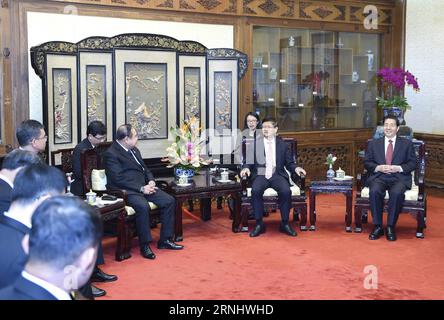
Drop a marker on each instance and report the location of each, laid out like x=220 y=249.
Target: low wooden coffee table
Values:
x=204 y=187
x=323 y=185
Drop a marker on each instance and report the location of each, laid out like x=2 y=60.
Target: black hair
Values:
x=259 y=124
x=63 y=227
x=125 y=130
x=37 y=180
x=20 y=158
x=270 y=119
x=27 y=131
x=393 y=117
x=95 y=128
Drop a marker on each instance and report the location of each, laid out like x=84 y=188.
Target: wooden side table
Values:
x=117 y=211
x=331 y=186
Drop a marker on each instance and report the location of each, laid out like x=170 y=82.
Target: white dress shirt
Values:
x=386 y=144
x=5 y=179
x=270 y=156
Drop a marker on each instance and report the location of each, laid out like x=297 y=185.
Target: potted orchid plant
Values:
x=393 y=81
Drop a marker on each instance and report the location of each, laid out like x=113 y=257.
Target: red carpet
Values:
x=325 y=264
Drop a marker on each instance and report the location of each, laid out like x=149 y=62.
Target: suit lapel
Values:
x=128 y=156
x=381 y=150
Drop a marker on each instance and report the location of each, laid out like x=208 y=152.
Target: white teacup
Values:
x=224 y=175
x=91 y=197
x=340 y=173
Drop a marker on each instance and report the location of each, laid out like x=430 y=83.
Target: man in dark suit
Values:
x=390 y=162
x=12 y=164
x=31 y=136
x=32 y=185
x=125 y=169
x=96 y=133
x=272 y=156
x=61 y=253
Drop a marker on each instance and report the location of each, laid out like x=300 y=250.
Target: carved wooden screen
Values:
x=151 y=81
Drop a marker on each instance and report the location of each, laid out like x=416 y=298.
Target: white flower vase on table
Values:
x=330 y=160
x=185 y=153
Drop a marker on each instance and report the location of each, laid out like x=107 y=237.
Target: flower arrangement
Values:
x=330 y=160
x=318 y=82
x=393 y=81
x=185 y=151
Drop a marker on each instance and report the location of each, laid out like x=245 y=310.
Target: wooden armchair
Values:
x=126 y=228
x=415 y=201
x=271 y=200
x=65 y=163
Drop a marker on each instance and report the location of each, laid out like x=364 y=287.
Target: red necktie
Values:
x=389 y=153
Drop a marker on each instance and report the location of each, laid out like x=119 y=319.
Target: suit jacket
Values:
x=5 y=196
x=122 y=171
x=403 y=155
x=23 y=289
x=77 y=184
x=13 y=258
x=284 y=158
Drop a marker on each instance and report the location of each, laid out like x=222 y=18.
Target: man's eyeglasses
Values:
x=44 y=137
x=100 y=138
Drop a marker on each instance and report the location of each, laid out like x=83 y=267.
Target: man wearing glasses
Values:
x=96 y=133
x=31 y=136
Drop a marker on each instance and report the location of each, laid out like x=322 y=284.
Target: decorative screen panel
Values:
x=145 y=84
x=193 y=84
x=60 y=115
x=146 y=99
x=223 y=104
x=62 y=105
x=96 y=91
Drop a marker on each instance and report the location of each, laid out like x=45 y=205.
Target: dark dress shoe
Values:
x=376 y=233
x=168 y=244
x=100 y=276
x=258 y=230
x=97 y=292
x=287 y=229
x=391 y=234
x=146 y=252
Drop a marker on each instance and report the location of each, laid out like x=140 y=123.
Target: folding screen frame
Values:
x=108 y=59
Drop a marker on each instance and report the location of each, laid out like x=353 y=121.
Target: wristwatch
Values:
x=141 y=189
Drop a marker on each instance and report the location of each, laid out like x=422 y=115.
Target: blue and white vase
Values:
x=178 y=172
x=330 y=173
x=397 y=112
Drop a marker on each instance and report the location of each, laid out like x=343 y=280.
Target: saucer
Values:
x=343 y=179
x=223 y=181
x=183 y=184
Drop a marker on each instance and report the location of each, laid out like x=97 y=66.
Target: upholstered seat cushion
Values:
x=270 y=192
x=411 y=195
x=98 y=183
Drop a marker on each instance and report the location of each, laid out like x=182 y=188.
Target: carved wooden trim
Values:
x=311 y=10
x=434 y=170
x=150 y=41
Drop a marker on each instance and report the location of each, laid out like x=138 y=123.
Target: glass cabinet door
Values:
x=315 y=80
